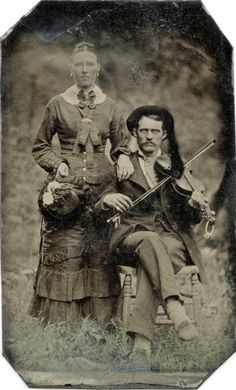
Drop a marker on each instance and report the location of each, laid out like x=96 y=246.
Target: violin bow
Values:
x=197 y=154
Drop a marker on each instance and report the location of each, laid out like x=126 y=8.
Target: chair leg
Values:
x=196 y=298
x=127 y=298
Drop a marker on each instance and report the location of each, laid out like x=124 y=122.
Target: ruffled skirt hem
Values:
x=76 y=285
x=50 y=311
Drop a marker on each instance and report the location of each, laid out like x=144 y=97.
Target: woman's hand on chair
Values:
x=117 y=201
x=124 y=167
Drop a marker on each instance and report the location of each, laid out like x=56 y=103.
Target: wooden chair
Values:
x=189 y=285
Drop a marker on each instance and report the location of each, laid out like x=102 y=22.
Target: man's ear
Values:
x=134 y=133
x=164 y=135
x=99 y=67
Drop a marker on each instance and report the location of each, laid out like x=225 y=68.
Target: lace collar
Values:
x=70 y=95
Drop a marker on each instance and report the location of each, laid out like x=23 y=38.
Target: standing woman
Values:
x=74 y=278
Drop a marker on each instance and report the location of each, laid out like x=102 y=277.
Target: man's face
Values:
x=84 y=67
x=149 y=135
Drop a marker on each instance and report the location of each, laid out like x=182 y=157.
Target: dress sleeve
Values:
x=119 y=135
x=42 y=148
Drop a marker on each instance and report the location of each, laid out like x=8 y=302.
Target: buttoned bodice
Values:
x=64 y=119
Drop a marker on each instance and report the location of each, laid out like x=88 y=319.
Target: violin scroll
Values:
x=198 y=201
x=209 y=216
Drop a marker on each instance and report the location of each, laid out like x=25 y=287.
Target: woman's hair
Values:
x=84 y=46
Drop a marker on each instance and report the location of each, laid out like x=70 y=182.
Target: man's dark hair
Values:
x=168 y=125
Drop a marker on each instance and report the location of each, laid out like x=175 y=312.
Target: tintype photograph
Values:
x=118 y=195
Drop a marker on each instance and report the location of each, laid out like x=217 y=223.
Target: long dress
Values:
x=74 y=277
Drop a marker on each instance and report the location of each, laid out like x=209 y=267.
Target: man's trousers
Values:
x=158 y=256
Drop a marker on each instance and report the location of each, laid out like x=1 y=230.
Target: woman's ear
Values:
x=71 y=70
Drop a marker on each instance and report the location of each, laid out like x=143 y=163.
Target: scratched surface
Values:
x=169 y=53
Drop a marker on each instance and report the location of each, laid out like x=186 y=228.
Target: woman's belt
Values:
x=81 y=149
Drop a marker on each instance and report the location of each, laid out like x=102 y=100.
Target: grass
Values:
x=89 y=346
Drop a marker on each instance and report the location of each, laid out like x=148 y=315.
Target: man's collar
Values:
x=153 y=157
x=160 y=157
x=71 y=94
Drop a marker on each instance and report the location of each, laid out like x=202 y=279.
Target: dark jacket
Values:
x=177 y=213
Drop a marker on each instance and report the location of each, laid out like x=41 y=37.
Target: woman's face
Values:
x=84 y=67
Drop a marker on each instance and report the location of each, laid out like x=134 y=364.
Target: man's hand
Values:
x=124 y=167
x=198 y=201
x=62 y=170
x=119 y=202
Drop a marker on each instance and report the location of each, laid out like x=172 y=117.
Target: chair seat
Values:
x=186 y=270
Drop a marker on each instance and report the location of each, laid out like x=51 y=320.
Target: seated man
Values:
x=156 y=235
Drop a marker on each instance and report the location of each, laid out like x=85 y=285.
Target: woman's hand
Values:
x=62 y=171
x=124 y=167
x=117 y=201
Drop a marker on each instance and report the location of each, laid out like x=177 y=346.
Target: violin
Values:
x=185 y=186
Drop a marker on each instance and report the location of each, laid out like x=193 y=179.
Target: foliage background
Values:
x=143 y=62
